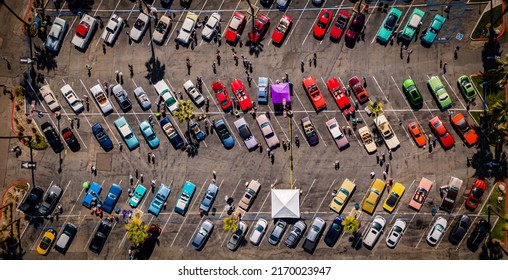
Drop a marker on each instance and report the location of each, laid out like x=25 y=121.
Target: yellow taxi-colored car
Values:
x=46 y=241
x=373 y=195
x=342 y=196
x=394 y=197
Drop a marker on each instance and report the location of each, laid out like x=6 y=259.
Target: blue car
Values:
x=224 y=134
x=158 y=200
x=114 y=193
x=127 y=134
x=102 y=137
x=263 y=90
x=172 y=134
x=149 y=134
x=137 y=196
x=208 y=199
x=93 y=191
x=199 y=134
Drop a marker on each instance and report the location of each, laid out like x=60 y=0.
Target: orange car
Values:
x=464 y=129
x=314 y=93
x=416 y=131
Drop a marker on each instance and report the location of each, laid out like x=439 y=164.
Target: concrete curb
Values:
x=503 y=28
x=3 y=195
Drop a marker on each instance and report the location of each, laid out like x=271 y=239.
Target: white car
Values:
x=268 y=133
x=84 y=32
x=142 y=98
x=374 y=231
x=194 y=94
x=187 y=28
x=384 y=127
x=112 y=29
x=367 y=139
x=398 y=229
x=161 y=30
x=337 y=135
x=211 y=27
x=167 y=95
x=139 y=27
x=56 y=35
x=246 y=134
x=437 y=231
x=72 y=99
x=258 y=231
x=101 y=99
x=49 y=97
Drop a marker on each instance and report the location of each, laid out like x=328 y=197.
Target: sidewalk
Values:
x=5 y=130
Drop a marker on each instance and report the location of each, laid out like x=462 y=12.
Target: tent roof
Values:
x=285 y=203
x=279 y=92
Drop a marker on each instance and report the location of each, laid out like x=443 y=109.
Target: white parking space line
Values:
x=314 y=23
x=427 y=106
x=446 y=80
x=133 y=7
x=223 y=209
x=304 y=136
x=324 y=197
x=407 y=103
x=295 y=23
x=98 y=8
x=307 y=193
x=91 y=235
x=425 y=231
x=212 y=97
x=277 y=120
x=61 y=8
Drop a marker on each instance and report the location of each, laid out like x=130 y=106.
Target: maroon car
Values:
x=356 y=27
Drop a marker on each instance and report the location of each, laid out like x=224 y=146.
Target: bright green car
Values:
x=438 y=90
x=412 y=93
x=389 y=24
x=430 y=33
x=412 y=24
x=466 y=88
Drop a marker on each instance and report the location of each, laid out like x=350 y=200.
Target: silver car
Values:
x=112 y=29
x=295 y=234
x=56 y=34
x=259 y=231
x=194 y=93
x=211 y=27
x=72 y=99
x=139 y=27
x=142 y=98
x=202 y=235
x=398 y=229
x=374 y=231
x=437 y=231
x=268 y=133
x=237 y=237
x=277 y=232
x=246 y=134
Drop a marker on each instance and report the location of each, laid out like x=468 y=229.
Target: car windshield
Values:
x=161 y=27
x=139 y=25
x=223 y=131
x=463 y=126
x=477 y=192
x=390 y=22
x=245 y=132
x=392 y=199
x=377 y=226
x=45 y=243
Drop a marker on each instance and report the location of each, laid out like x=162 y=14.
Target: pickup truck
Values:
x=451 y=194
x=185 y=197
x=250 y=194
x=31 y=202
x=313 y=235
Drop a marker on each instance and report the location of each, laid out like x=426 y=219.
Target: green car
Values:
x=389 y=24
x=412 y=93
x=467 y=89
x=412 y=24
x=438 y=90
x=430 y=33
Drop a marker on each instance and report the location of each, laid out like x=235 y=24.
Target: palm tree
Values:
x=351 y=224
x=501 y=71
x=375 y=108
x=185 y=113
x=137 y=231
x=499 y=113
x=230 y=223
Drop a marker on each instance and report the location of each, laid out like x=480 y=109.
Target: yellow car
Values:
x=342 y=196
x=394 y=197
x=47 y=240
x=372 y=197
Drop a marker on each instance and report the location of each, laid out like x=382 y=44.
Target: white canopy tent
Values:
x=285 y=203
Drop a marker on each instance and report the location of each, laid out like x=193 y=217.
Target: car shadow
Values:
x=146 y=250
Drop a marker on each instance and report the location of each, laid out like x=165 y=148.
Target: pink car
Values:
x=421 y=193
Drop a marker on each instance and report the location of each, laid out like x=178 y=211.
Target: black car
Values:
x=50 y=200
x=459 y=230
x=478 y=235
x=29 y=206
x=100 y=236
x=64 y=241
x=334 y=232
x=52 y=137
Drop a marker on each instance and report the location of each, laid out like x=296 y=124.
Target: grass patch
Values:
x=493 y=95
x=499 y=208
x=485 y=19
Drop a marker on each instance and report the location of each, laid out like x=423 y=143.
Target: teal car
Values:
x=413 y=95
x=149 y=134
x=137 y=196
x=185 y=197
x=438 y=90
x=127 y=134
x=158 y=200
x=430 y=33
x=389 y=25
x=466 y=88
x=412 y=24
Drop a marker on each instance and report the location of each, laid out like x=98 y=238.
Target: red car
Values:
x=465 y=131
x=442 y=133
x=357 y=87
x=280 y=32
x=314 y=93
x=356 y=26
x=339 y=25
x=473 y=198
x=235 y=27
x=416 y=131
x=322 y=24
x=260 y=27
x=241 y=95
x=222 y=95
x=338 y=94
x=70 y=139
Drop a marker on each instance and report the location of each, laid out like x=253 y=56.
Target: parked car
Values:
x=241 y=95
x=322 y=23
x=122 y=98
x=112 y=29
x=246 y=134
x=416 y=132
x=393 y=198
x=388 y=26
x=441 y=132
x=282 y=4
x=50 y=98
x=372 y=197
x=337 y=135
x=356 y=26
x=315 y=95
x=204 y=232
x=102 y=137
x=112 y=198
x=367 y=139
x=188 y=26
x=235 y=28
x=280 y=32
x=211 y=27
x=127 y=134
x=262 y=90
x=193 y=93
x=258 y=232
x=167 y=96
x=260 y=27
x=430 y=33
x=466 y=88
x=478 y=235
x=72 y=99
x=30 y=204
x=100 y=236
x=338 y=93
x=464 y=129
x=334 y=231
x=356 y=86
x=199 y=134
x=161 y=30
x=149 y=134
x=343 y=194
x=101 y=99
x=339 y=25
x=65 y=240
x=174 y=137
x=139 y=27
x=208 y=198
x=277 y=232
x=451 y=193
x=50 y=200
x=222 y=96
x=137 y=195
x=460 y=229
x=224 y=134
x=142 y=98
x=272 y=141
x=46 y=242
x=374 y=232
x=386 y=130
x=437 y=231
x=52 y=137
x=295 y=234
x=70 y=139
x=313 y=234
x=310 y=132
x=185 y=197
x=413 y=23
x=93 y=191
x=56 y=35
x=250 y=194
x=158 y=200
x=477 y=190
x=395 y=234
x=238 y=236
x=412 y=93
x=439 y=92
x=84 y=31
x=421 y=193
